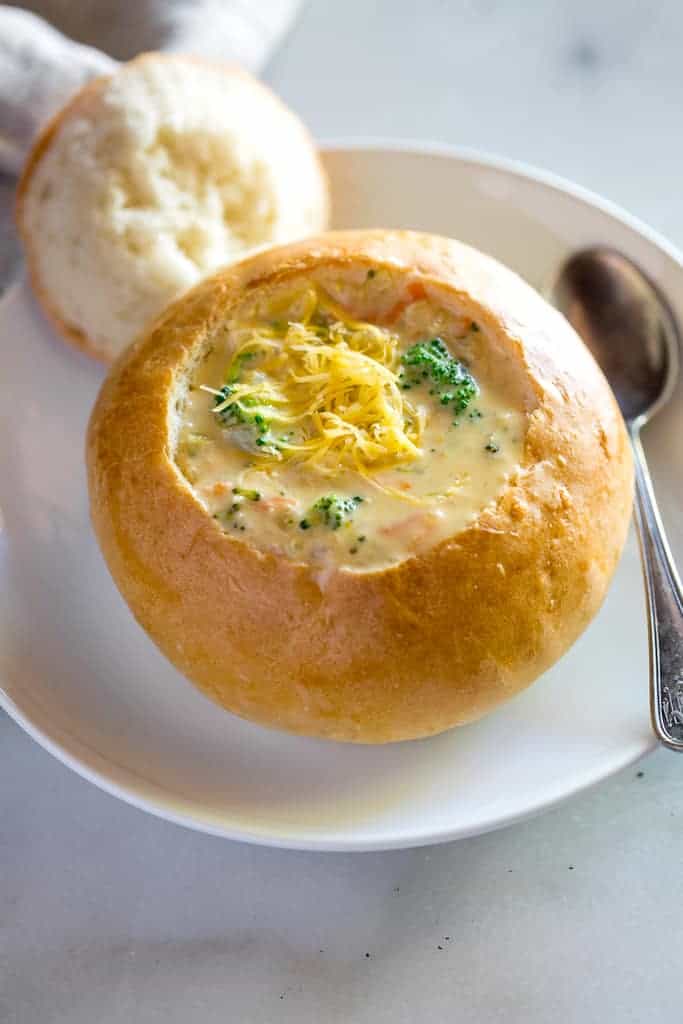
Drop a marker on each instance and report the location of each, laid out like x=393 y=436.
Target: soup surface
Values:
x=351 y=422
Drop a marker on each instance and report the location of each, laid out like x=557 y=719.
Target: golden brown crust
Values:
x=432 y=642
x=85 y=95
x=78 y=105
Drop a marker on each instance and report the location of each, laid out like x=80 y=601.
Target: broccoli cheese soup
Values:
x=350 y=425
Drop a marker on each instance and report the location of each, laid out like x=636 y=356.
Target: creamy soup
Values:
x=351 y=423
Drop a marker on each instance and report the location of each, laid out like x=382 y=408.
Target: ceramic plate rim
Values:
x=331 y=842
x=510 y=165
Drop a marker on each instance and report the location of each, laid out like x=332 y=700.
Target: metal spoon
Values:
x=633 y=334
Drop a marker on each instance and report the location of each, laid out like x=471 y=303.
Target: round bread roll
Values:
x=151 y=178
x=364 y=487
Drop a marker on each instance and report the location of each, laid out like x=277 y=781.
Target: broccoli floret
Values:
x=232 y=413
x=251 y=429
x=237 y=364
x=431 y=362
x=240 y=414
x=331 y=511
x=248 y=493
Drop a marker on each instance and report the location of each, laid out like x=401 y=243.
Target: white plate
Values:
x=83 y=679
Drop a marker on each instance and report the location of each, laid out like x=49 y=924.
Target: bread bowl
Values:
x=152 y=177
x=364 y=487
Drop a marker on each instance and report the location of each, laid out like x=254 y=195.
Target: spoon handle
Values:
x=665 y=609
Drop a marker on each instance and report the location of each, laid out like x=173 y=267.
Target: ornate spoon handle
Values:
x=665 y=609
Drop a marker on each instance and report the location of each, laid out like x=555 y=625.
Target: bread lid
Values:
x=151 y=178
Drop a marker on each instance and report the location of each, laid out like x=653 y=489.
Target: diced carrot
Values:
x=220 y=488
x=413 y=531
x=412 y=527
x=277 y=504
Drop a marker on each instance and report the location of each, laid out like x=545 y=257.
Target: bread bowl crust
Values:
x=78 y=102
x=78 y=105
x=431 y=642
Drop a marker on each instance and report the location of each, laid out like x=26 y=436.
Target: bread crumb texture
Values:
x=154 y=177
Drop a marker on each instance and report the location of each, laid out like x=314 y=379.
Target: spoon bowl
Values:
x=630 y=329
x=626 y=324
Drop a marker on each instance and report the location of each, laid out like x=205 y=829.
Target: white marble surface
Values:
x=110 y=916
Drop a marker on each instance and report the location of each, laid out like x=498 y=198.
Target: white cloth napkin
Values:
x=40 y=67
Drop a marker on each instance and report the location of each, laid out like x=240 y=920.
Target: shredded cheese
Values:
x=328 y=388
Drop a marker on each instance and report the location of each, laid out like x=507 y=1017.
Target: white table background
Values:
x=108 y=916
